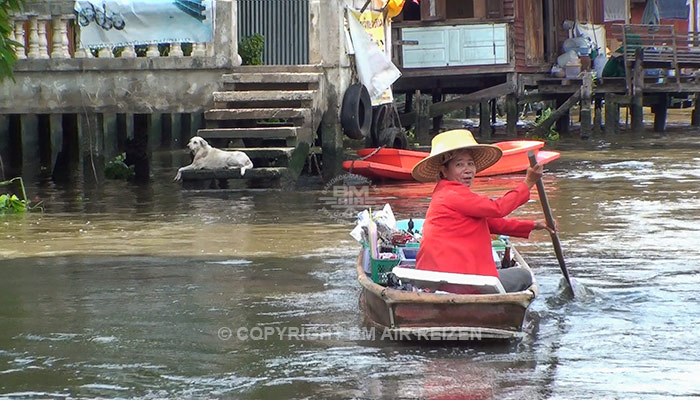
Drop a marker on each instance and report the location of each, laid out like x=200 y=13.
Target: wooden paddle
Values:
x=550 y=223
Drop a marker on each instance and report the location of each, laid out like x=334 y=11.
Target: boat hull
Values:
x=375 y=170
x=404 y=315
x=396 y=164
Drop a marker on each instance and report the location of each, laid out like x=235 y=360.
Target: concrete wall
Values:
x=139 y=85
x=327 y=46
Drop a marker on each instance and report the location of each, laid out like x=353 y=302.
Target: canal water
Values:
x=126 y=291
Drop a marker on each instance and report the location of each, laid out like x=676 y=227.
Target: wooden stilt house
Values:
x=480 y=49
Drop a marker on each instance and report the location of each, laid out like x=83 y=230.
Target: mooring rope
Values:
x=352 y=164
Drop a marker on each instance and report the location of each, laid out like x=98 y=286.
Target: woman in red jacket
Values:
x=459 y=223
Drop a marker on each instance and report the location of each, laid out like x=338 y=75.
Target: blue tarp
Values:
x=673 y=9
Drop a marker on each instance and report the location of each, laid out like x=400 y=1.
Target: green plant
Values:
x=251 y=48
x=550 y=135
x=10 y=203
x=8 y=46
x=117 y=169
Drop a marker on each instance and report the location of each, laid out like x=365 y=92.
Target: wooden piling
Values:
x=597 y=115
x=695 y=119
x=67 y=167
x=111 y=140
x=437 y=120
x=155 y=131
x=485 y=119
x=585 y=108
x=564 y=118
x=31 y=153
x=44 y=134
x=56 y=137
x=661 y=112
x=512 y=115
x=91 y=144
x=422 y=129
x=408 y=104
x=637 y=104
x=196 y=123
x=612 y=115
x=4 y=146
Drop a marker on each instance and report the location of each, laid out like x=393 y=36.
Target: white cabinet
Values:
x=443 y=46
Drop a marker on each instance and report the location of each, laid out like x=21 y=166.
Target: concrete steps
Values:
x=257 y=113
x=256 y=178
x=282 y=132
x=274 y=77
x=273 y=112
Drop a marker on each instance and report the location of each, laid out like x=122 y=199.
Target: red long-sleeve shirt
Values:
x=458 y=226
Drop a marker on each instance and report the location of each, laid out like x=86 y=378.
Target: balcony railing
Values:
x=48 y=30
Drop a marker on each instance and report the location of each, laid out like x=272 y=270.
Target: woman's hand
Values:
x=534 y=173
x=542 y=224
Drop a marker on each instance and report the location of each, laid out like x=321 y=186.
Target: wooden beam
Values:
x=460 y=102
x=559 y=112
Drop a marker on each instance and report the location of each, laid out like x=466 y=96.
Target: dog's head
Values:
x=197 y=143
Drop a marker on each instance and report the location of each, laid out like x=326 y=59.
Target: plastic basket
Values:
x=380 y=268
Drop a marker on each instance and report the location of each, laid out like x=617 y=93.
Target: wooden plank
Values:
x=559 y=112
x=493 y=92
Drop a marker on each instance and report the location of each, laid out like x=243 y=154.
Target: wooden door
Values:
x=534 y=32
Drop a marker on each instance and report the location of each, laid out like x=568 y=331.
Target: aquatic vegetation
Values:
x=551 y=135
x=10 y=203
x=117 y=169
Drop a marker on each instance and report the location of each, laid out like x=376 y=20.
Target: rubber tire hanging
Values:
x=356 y=112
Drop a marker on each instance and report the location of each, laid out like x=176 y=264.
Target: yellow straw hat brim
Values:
x=428 y=169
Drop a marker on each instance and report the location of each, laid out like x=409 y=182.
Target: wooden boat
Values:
x=396 y=164
x=405 y=315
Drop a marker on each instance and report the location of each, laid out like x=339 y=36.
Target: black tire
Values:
x=384 y=117
x=356 y=112
x=394 y=138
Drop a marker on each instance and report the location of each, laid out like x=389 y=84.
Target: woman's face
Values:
x=460 y=168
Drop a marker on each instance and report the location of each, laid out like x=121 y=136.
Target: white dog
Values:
x=207 y=157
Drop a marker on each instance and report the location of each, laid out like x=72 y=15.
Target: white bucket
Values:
x=573 y=69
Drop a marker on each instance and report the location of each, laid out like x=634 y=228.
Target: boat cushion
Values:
x=465 y=283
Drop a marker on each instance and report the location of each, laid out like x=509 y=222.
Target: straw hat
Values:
x=428 y=169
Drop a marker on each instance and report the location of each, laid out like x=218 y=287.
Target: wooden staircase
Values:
x=269 y=112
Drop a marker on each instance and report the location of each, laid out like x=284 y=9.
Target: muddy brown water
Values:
x=125 y=291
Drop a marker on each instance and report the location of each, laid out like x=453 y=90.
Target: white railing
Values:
x=34 y=31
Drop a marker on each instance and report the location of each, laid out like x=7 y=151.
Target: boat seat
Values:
x=465 y=283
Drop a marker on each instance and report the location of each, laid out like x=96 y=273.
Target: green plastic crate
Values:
x=380 y=268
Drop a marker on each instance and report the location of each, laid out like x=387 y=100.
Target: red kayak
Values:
x=387 y=163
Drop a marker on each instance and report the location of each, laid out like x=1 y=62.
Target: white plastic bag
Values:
x=374 y=68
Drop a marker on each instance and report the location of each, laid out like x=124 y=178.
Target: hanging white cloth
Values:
x=615 y=10
x=374 y=68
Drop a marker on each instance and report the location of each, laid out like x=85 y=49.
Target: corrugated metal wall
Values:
x=283 y=23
